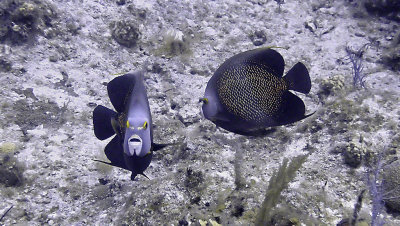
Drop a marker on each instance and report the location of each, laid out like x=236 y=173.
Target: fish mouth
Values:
x=134 y=145
x=135 y=140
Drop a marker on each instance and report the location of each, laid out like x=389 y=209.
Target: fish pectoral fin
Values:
x=102 y=118
x=156 y=147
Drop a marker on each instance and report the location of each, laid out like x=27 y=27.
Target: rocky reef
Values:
x=57 y=57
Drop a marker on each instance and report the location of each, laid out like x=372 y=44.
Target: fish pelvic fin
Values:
x=145 y=176
x=299 y=79
x=292 y=110
x=108 y=163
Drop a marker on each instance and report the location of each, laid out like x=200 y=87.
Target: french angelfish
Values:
x=132 y=147
x=248 y=92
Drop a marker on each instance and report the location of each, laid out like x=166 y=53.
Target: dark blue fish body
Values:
x=132 y=147
x=248 y=92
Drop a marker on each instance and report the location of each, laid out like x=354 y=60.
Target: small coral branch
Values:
x=280 y=3
x=356 y=60
x=5 y=213
x=279 y=181
x=374 y=184
x=357 y=208
x=239 y=180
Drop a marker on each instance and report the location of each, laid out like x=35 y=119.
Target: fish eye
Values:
x=204 y=100
x=144 y=126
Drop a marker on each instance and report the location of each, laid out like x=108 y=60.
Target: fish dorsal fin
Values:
x=271 y=59
x=119 y=89
x=266 y=57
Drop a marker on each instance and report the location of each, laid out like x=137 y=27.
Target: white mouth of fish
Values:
x=134 y=145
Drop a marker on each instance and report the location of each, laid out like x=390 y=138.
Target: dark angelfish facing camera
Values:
x=132 y=147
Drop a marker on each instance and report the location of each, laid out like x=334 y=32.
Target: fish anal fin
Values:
x=299 y=79
x=291 y=110
x=115 y=153
x=102 y=117
x=133 y=176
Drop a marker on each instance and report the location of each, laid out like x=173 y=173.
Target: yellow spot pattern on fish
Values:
x=250 y=91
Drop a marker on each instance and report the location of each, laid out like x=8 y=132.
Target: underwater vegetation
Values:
x=30 y=114
x=280 y=3
x=391 y=57
x=11 y=170
x=258 y=38
x=356 y=60
x=387 y=8
x=277 y=183
x=5 y=65
x=5 y=213
x=382 y=176
x=175 y=43
x=376 y=191
x=21 y=20
x=391 y=185
x=125 y=32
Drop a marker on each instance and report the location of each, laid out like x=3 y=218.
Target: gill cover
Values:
x=210 y=103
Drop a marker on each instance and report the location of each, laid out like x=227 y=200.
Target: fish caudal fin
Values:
x=102 y=122
x=292 y=110
x=299 y=79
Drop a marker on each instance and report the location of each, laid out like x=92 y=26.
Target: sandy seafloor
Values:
x=57 y=77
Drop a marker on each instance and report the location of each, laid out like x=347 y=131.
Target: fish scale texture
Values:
x=250 y=92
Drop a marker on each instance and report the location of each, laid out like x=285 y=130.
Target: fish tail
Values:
x=102 y=116
x=299 y=79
